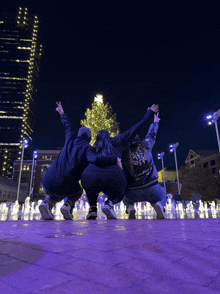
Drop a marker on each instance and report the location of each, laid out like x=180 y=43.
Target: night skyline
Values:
x=135 y=54
x=20 y=53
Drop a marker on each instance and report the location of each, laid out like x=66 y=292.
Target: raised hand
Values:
x=156 y=118
x=59 y=108
x=154 y=108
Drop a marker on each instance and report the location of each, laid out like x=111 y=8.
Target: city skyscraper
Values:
x=20 y=53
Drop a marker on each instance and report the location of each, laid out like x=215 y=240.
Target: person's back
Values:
x=138 y=165
x=141 y=174
x=108 y=178
x=67 y=168
x=62 y=178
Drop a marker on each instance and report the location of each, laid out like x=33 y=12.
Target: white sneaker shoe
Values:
x=45 y=210
x=108 y=210
x=67 y=211
x=160 y=211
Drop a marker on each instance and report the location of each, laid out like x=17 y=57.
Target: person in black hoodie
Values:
x=110 y=180
x=62 y=178
x=141 y=174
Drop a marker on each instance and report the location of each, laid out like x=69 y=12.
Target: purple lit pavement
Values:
x=115 y=256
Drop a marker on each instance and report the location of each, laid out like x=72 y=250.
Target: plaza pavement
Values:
x=115 y=256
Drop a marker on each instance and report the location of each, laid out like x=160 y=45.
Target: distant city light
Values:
x=25 y=143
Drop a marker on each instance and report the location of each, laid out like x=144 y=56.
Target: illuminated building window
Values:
x=11 y=117
x=26 y=167
x=25 y=48
x=11 y=144
x=13 y=78
x=45 y=167
x=41 y=190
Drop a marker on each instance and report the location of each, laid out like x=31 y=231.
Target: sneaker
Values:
x=92 y=213
x=160 y=211
x=67 y=211
x=131 y=211
x=108 y=210
x=45 y=210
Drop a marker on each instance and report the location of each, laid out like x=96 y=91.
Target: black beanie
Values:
x=84 y=131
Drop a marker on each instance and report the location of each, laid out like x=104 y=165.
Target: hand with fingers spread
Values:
x=59 y=108
x=154 y=108
x=156 y=118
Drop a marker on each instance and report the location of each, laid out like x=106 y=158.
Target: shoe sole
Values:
x=66 y=214
x=92 y=215
x=132 y=214
x=44 y=213
x=159 y=211
x=108 y=213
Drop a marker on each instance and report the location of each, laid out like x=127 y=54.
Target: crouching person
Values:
x=141 y=174
x=62 y=178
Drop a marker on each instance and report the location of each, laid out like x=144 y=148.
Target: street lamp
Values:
x=173 y=149
x=32 y=172
x=212 y=118
x=160 y=156
x=24 y=145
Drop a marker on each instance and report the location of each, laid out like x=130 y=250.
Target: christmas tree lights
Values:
x=100 y=117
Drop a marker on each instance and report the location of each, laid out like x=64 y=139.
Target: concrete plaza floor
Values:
x=114 y=256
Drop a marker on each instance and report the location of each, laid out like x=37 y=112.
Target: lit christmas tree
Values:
x=100 y=117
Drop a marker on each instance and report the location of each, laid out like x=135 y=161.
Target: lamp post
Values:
x=173 y=149
x=32 y=172
x=212 y=118
x=24 y=145
x=160 y=156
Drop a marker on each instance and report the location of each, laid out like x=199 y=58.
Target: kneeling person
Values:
x=141 y=174
x=62 y=178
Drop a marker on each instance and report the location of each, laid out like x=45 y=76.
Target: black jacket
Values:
x=121 y=141
x=148 y=175
x=67 y=168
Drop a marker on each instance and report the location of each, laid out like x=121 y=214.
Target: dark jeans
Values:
x=77 y=193
x=152 y=194
x=109 y=180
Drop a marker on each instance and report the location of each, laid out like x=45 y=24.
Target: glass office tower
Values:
x=20 y=53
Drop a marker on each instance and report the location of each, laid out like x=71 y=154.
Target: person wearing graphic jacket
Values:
x=141 y=174
x=62 y=178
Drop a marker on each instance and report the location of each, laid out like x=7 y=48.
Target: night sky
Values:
x=135 y=53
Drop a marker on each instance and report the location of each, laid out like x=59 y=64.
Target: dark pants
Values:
x=73 y=197
x=109 y=180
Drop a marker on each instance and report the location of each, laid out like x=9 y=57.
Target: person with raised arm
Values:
x=141 y=174
x=62 y=178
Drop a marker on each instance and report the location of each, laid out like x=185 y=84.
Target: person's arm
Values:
x=65 y=121
x=150 y=138
x=100 y=160
x=127 y=136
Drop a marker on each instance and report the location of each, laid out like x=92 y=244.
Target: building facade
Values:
x=208 y=160
x=8 y=191
x=20 y=53
x=40 y=166
x=170 y=175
